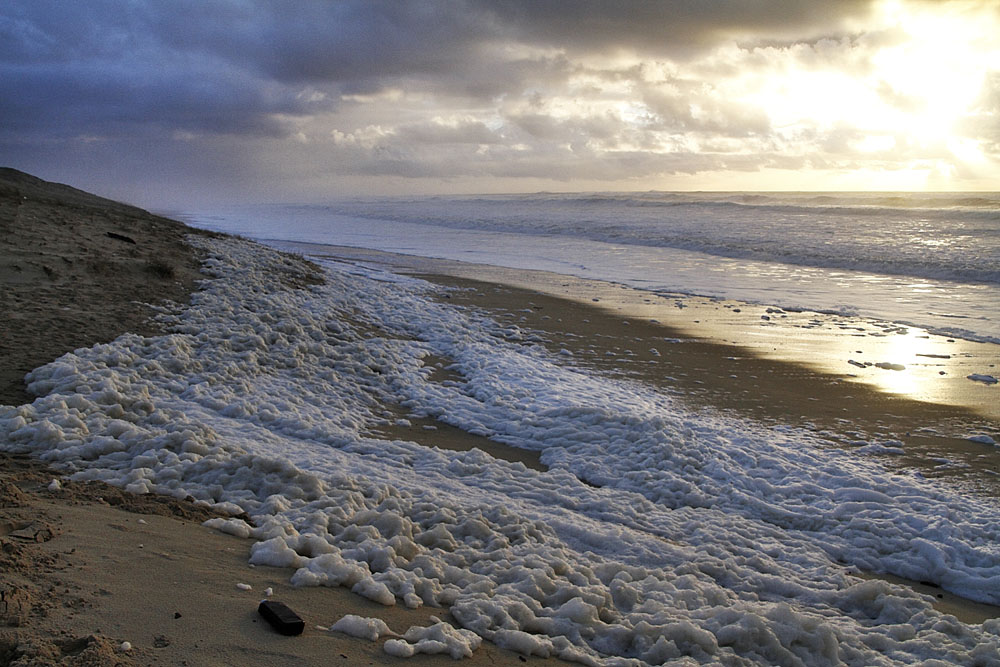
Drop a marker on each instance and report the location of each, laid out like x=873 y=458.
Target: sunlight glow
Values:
x=938 y=70
x=901 y=91
x=875 y=143
x=966 y=150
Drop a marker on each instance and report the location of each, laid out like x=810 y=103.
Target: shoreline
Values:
x=564 y=313
x=705 y=374
x=711 y=357
x=936 y=367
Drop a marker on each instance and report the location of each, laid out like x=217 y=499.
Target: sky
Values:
x=172 y=103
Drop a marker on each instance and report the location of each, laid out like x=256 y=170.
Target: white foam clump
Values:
x=523 y=642
x=656 y=535
x=364 y=628
x=433 y=639
x=236 y=527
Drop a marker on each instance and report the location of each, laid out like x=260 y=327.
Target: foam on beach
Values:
x=657 y=533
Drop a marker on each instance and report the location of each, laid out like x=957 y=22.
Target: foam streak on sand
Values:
x=657 y=533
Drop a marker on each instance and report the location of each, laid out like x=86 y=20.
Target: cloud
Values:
x=181 y=59
x=453 y=89
x=681 y=28
x=102 y=79
x=449 y=131
x=983 y=119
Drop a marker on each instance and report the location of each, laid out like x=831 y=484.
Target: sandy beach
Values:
x=78 y=270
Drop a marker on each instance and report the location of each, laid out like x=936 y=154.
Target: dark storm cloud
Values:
x=72 y=100
x=675 y=28
x=295 y=42
x=363 y=41
x=98 y=69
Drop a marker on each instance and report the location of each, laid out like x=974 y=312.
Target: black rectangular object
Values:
x=281 y=618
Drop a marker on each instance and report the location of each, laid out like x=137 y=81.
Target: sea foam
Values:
x=657 y=534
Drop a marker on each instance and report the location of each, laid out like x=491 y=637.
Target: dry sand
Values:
x=76 y=270
x=87 y=567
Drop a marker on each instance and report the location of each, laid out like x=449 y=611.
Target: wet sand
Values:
x=705 y=374
x=934 y=371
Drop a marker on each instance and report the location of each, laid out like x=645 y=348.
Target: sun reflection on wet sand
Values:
x=901 y=372
x=900 y=360
x=892 y=358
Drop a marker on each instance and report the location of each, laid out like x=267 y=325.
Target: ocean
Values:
x=925 y=260
x=656 y=533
